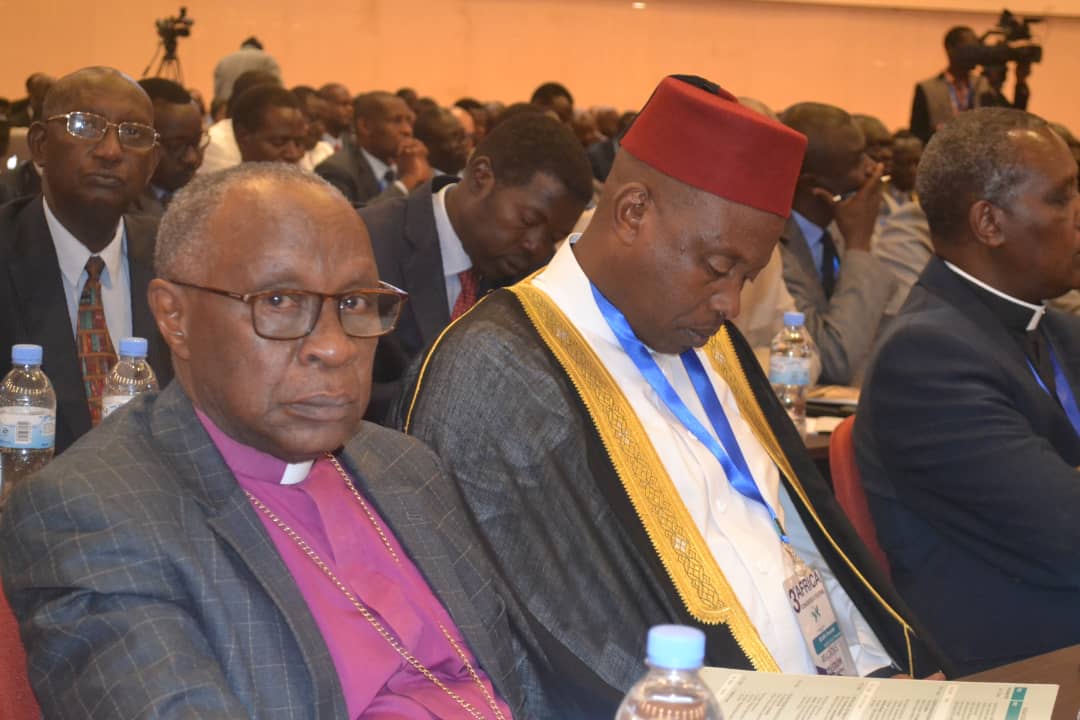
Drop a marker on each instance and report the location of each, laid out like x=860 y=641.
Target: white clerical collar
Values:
x=1037 y=310
x=72 y=255
x=296 y=472
x=454 y=258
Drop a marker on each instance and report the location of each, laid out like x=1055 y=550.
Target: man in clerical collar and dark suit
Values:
x=74 y=268
x=967 y=429
x=241 y=544
x=622 y=451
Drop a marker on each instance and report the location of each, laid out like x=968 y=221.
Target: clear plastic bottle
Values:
x=673 y=688
x=790 y=358
x=27 y=418
x=131 y=375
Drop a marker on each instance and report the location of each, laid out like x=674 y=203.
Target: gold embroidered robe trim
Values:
x=678 y=543
x=721 y=353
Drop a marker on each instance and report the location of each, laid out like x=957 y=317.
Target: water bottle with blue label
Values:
x=27 y=418
x=673 y=688
x=790 y=358
x=131 y=376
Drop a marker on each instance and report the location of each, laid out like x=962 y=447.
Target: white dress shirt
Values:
x=315 y=155
x=454 y=258
x=222 y=152
x=115 y=278
x=738 y=531
x=379 y=168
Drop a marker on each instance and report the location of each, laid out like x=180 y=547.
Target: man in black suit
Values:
x=182 y=141
x=446 y=243
x=97 y=150
x=382 y=160
x=968 y=432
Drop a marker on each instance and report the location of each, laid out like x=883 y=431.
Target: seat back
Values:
x=847 y=485
x=17 y=701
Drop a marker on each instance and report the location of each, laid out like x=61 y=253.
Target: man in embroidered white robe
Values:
x=605 y=507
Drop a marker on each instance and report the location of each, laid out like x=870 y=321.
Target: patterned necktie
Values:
x=96 y=353
x=829 y=260
x=470 y=286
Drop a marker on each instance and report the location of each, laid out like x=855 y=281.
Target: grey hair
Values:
x=181 y=239
x=971 y=158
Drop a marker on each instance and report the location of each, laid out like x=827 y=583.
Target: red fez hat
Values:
x=699 y=134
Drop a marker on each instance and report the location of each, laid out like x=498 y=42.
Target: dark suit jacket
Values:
x=33 y=308
x=970 y=471
x=349 y=172
x=601 y=156
x=147 y=586
x=406 y=246
x=23 y=181
x=843 y=326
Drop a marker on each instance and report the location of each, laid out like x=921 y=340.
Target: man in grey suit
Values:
x=241 y=544
x=840 y=287
x=382 y=160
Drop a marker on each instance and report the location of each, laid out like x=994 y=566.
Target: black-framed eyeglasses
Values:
x=179 y=146
x=91 y=127
x=293 y=314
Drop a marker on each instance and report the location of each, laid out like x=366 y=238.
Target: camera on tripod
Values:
x=171 y=28
x=1014 y=44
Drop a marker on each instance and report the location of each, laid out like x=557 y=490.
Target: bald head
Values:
x=66 y=94
x=822 y=125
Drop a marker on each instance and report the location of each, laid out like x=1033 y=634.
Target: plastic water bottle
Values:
x=131 y=375
x=673 y=688
x=790 y=358
x=27 y=418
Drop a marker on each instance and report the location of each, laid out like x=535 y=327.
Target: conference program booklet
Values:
x=745 y=695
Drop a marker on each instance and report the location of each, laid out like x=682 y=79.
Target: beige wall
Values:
x=864 y=59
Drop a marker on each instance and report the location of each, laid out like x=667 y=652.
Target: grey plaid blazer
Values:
x=146 y=585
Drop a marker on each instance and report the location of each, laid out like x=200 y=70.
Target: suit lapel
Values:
x=423 y=269
x=39 y=293
x=141 y=233
x=367 y=185
x=797 y=246
x=192 y=455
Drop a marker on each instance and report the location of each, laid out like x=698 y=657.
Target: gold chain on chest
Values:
x=367 y=613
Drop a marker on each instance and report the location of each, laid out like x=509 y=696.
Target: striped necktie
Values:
x=96 y=353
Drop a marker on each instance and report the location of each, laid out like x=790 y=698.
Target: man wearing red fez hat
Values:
x=621 y=449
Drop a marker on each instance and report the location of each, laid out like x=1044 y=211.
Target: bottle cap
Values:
x=794 y=318
x=676 y=647
x=134 y=346
x=26 y=354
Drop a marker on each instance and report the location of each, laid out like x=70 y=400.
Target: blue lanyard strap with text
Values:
x=1064 y=391
x=727 y=450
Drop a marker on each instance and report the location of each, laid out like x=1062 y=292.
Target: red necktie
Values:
x=468 y=296
x=96 y=353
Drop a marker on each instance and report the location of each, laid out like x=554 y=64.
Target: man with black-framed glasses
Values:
x=181 y=139
x=242 y=543
x=73 y=267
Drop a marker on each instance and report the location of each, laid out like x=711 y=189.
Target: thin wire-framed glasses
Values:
x=91 y=127
x=293 y=314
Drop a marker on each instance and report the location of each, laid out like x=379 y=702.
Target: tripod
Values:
x=169 y=65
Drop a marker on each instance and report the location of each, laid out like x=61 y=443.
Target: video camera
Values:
x=171 y=28
x=1014 y=46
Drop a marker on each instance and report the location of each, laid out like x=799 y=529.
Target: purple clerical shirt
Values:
x=378 y=684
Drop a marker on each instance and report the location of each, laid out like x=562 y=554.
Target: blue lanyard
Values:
x=1061 y=384
x=727 y=450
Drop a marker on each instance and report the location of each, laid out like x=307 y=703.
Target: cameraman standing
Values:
x=949 y=93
